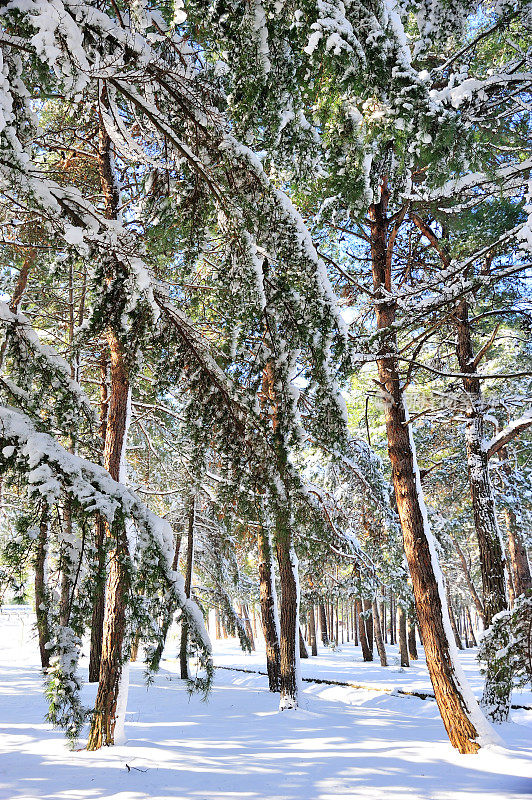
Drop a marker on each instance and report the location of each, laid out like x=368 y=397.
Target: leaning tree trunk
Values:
x=268 y=609
x=312 y=630
x=403 y=642
x=378 y=635
x=497 y=687
x=303 y=651
x=183 y=649
x=102 y=731
x=41 y=603
x=459 y=713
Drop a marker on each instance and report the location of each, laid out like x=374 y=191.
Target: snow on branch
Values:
x=51 y=469
x=510 y=432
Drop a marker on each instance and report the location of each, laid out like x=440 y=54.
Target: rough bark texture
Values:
x=43 y=630
x=378 y=635
x=492 y=564
x=98 y=596
x=412 y=644
x=247 y=624
x=323 y=625
x=303 y=652
x=114 y=625
x=98 y=603
x=312 y=630
x=289 y=644
x=183 y=649
x=103 y=720
x=407 y=485
x=403 y=642
x=368 y=621
x=269 y=611
x=367 y=654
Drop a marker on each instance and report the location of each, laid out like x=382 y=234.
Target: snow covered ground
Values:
x=343 y=743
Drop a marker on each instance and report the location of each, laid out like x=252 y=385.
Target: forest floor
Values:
x=343 y=744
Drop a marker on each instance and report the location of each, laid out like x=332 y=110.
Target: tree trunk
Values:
x=303 y=652
x=102 y=731
x=520 y=566
x=452 y=620
x=444 y=670
x=268 y=608
x=392 y=618
x=470 y=626
x=403 y=642
x=378 y=635
x=469 y=580
x=98 y=596
x=323 y=625
x=289 y=644
x=247 y=624
x=98 y=603
x=412 y=644
x=41 y=604
x=183 y=649
x=312 y=630
x=368 y=622
x=497 y=691
x=114 y=625
x=367 y=654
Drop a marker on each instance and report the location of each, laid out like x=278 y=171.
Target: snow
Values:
x=342 y=743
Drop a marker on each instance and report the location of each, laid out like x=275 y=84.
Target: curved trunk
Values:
x=367 y=654
x=460 y=715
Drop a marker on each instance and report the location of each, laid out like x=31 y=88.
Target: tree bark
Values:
x=183 y=650
x=247 y=624
x=98 y=597
x=114 y=626
x=520 y=566
x=403 y=642
x=289 y=644
x=303 y=652
x=430 y=605
x=412 y=644
x=367 y=654
x=312 y=630
x=268 y=609
x=104 y=716
x=378 y=635
x=368 y=622
x=41 y=605
x=323 y=625
x=496 y=696
x=452 y=619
